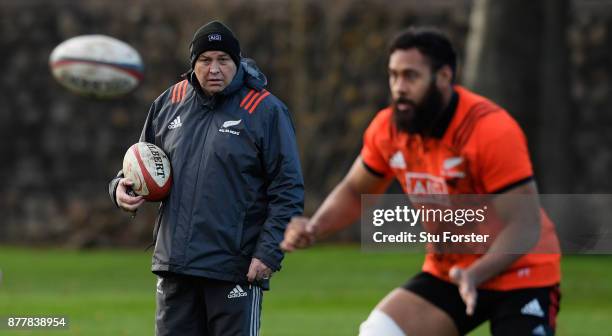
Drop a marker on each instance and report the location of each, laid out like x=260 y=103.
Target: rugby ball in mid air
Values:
x=148 y=167
x=96 y=65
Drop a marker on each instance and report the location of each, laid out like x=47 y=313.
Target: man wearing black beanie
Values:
x=237 y=182
x=214 y=36
x=214 y=53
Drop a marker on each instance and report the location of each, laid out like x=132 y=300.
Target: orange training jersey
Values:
x=482 y=151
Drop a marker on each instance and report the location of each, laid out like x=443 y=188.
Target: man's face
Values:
x=214 y=71
x=417 y=100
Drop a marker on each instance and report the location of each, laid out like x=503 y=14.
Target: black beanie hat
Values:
x=214 y=36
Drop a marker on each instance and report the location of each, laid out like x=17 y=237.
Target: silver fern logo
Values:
x=230 y=123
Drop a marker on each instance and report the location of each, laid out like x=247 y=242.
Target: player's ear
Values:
x=444 y=76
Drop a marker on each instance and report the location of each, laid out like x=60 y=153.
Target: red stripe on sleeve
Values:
x=173 y=99
x=258 y=101
x=183 y=89
x=254 y=98
x=246 y=98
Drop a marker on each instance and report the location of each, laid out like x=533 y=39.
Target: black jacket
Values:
x=236 y=177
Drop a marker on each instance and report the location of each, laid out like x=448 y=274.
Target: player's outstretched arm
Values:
x=521 y=216
x=341 y=208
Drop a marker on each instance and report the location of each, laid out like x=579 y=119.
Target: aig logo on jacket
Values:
x=225 y=128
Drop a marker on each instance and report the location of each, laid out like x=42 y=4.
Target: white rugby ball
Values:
x=148 y=167
x=96 y=65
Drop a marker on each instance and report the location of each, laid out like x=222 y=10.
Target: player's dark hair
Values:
x=429 y=41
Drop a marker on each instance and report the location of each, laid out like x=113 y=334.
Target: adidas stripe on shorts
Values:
x=188 y=305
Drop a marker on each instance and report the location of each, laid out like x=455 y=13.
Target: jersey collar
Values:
x=445 y=118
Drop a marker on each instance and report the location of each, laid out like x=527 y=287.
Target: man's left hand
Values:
x=258 y=271
x=467 y=288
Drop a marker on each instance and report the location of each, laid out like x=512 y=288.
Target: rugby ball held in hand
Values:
x=148 y=167
x=96 y=65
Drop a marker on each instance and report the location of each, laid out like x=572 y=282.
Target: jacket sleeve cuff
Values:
x=273 y=262
x=112 y=190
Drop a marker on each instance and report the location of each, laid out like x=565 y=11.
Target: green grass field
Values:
x=323 y=291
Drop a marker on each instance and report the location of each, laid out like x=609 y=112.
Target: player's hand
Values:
x=258 y=271
x=298 y=235
x=467 y=288
x=124 y=200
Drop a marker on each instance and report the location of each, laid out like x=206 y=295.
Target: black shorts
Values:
x=526 y=311
x=188 y=305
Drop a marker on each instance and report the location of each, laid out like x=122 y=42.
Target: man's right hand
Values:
x=298 y=235
x=124 y=200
